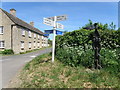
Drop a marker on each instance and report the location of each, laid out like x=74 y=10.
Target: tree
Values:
x=112 y=26
x=103 y=26
x=119 y=29
x=88 y=25
x=50 y=42
x=65 y=31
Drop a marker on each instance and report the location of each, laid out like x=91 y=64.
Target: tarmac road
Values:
x=10 y=65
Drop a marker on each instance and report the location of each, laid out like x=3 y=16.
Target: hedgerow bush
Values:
x=75 y=48
x=110 y=39
x=73 y=39
x=7 y=51
x=72 y=56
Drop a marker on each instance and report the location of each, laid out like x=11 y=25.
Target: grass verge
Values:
x=41 y=73
x=23 y=52
x=33 y=50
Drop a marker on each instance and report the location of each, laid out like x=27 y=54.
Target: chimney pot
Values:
x=13 y=12
x=32 y=24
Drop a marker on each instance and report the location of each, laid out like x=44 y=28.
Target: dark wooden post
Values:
x=97 y=47
x=95 y=37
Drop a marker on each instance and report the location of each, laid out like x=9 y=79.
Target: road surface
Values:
x=12 y=64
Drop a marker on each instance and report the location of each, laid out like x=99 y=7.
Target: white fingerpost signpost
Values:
x=51 y=21
x=54 y=34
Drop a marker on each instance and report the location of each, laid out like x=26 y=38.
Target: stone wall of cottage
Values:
x=6 y=36
x=13 y=37
x=19 y=37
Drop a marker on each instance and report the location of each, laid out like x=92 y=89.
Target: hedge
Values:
x=73 y=49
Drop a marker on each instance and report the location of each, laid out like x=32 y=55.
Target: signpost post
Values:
x=51 y=21
x=54 y=33
x=95 y=37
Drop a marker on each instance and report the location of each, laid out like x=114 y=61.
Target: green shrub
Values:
x=75 y=56
x=22 y=52
x=7 y=51
x=1 y=52
x=75 y=49
x=109 y=39
x=73 y=39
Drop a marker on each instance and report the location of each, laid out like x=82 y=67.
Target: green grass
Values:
x=39 y=74
x=23 y=52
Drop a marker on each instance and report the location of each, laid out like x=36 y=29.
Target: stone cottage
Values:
x=18 y=35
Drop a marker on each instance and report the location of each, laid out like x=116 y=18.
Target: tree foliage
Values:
x=106 y=26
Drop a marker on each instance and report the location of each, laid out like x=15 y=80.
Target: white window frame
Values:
x=22 y=44
x=34 y=35
x=42 y=43
x=30 y=44
x=34 y=44
x=23 y=31
x=1 y=30
x=38 y=36
x=38 y=44
x=45 y=38
x=2 y=44
x=42 y=37
x=29 y=33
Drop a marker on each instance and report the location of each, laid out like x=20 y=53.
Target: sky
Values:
x=78 y=13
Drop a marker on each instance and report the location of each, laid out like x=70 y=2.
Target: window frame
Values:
x=38 y=37
x=23 y=31
x=2 y=30
x=22 y=44
x=38 y=44
x=34 y=44
x=29 y=33
x=29 y=45
x=2 y=45
x=34 y=35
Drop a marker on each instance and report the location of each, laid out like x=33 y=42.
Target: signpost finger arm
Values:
x=51 y=21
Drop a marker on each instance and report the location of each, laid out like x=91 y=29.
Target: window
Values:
x=42 y=38
x=29 y=33
x=2 y=44
x=22 y=44
x=46 y=39
x=34 y=35
x=23 y=31
x=38 y=36
x=34 y=44
x=1 y=29
x=42 y=43
x=38 y=44
x=29 y=45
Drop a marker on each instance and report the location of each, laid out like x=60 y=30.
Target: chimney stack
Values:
x=13 y=12
x=32 y=24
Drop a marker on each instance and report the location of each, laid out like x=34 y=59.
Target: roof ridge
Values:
x=20 y=22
